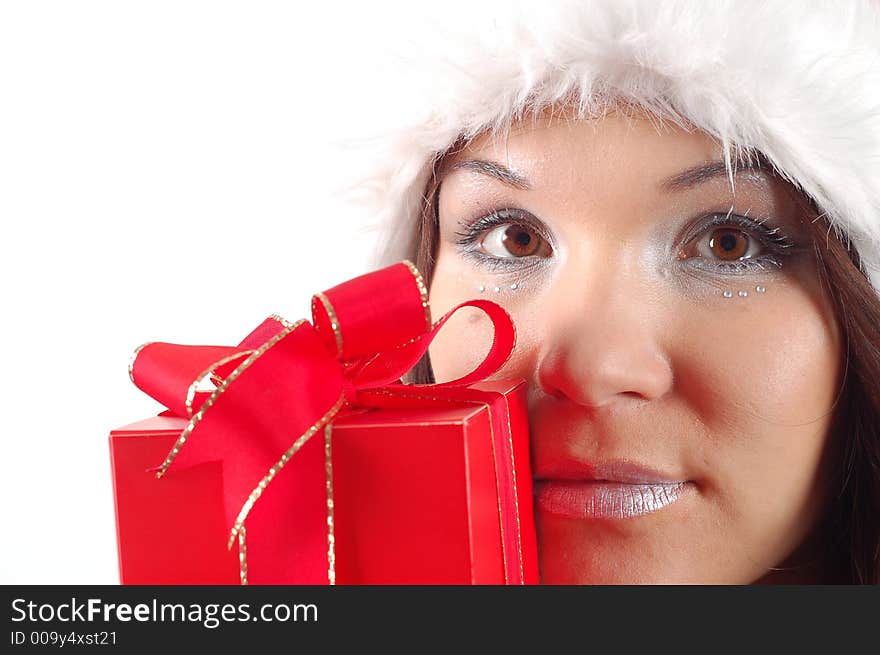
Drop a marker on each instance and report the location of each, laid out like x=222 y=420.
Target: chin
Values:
x=617 y=553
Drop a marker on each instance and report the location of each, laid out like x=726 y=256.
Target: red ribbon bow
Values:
x=286 y=381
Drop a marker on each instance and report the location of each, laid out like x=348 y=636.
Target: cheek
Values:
x=773 y=358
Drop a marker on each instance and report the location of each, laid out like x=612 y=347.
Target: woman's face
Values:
x=683 y=359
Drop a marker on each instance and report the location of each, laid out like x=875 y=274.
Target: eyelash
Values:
x=772 y=239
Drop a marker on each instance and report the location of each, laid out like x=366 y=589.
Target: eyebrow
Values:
x=687 y=179
x=703 y=173
x=493 y=169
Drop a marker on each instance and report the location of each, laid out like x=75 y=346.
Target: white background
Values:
x=167 y=173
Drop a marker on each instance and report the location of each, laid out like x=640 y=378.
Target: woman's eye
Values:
x=736 y=244
x=514 y=241
x=509 y=237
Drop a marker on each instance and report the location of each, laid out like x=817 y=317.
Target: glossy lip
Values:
x=613 y=490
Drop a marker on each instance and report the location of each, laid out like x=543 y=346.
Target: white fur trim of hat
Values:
x=796 y=81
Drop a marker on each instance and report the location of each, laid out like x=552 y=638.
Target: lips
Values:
x=614 y=490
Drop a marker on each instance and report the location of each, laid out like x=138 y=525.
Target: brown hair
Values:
x=850 y=532
x=854 y=518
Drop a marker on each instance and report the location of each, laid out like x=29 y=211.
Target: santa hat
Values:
x=797 y=81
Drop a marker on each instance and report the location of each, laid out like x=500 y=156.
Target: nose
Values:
x=602 y=341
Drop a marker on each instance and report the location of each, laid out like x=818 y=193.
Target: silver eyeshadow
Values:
x=727 y=293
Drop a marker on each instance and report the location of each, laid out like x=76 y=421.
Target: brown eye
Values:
x=513 y=241
x=724 y=244
x=728 y=244
x=736 y=244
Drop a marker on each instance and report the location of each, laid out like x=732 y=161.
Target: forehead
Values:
x=555 y=142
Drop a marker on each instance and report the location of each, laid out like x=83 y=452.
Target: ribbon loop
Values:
x=171 y=373
x=373 y=312
x=387 y=367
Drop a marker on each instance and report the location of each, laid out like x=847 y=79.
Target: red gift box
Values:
x=313 y=458
x=416 y=500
